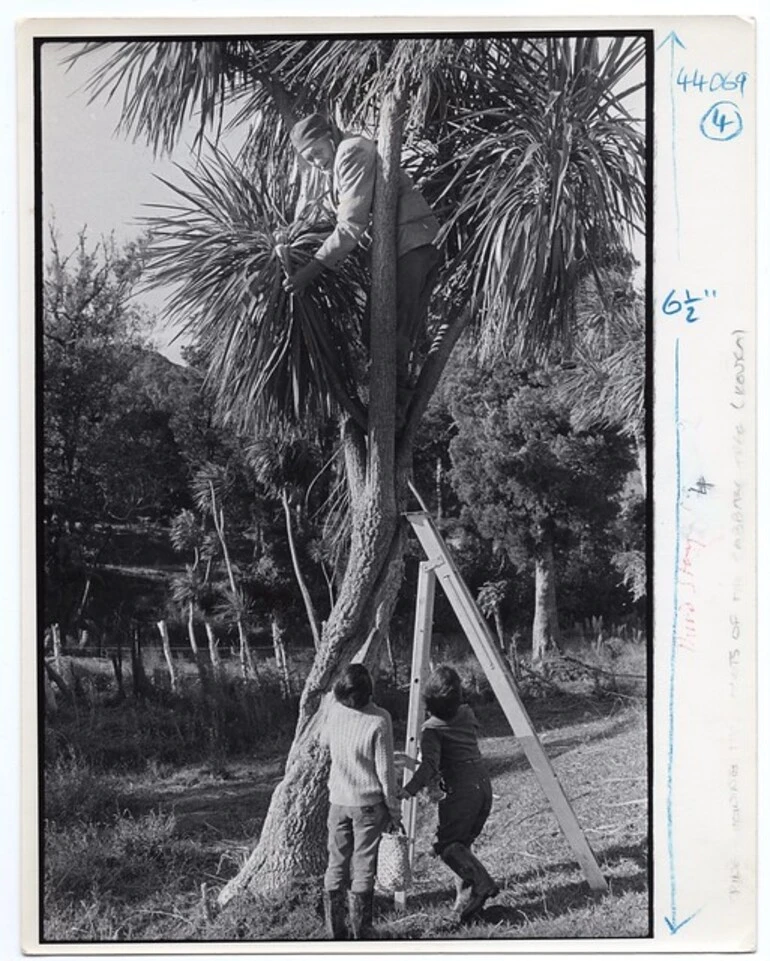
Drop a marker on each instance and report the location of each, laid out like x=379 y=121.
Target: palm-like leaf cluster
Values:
x=271 y=355
x=525 y=146
x=546 y=176
x=164 y=84
x=605 y=385
x=282 y=461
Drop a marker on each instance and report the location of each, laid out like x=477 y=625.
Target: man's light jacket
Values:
x=353 y=192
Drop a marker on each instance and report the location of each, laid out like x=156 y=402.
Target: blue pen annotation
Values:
x=675 y=303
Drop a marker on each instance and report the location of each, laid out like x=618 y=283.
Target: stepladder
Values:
x=439 y=568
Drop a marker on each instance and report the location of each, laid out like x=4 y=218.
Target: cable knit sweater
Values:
x=360 y=741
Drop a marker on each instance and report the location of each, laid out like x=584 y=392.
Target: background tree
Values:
x=529 y=480
x=541 y=155
x=213 y=486
x=286 y=467
x=490 y=600
x=605 y=381
x=110 y=456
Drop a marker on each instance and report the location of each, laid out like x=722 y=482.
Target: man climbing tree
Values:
x=352 y=162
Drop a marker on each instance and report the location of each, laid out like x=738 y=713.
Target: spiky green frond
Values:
x=271 y=356
x=186 y=587
x=548 y=173
x=282 y=461
x=165 y=83
x=491 y=595
x=186 y=533
x=607 y=382
x=234 y=606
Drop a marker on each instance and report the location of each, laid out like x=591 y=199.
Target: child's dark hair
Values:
x=354 y=688
x=443 y=692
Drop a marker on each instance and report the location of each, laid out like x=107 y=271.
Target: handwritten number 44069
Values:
x=704 y=83
x=676 y=303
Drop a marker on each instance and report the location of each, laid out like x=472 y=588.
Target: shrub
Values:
x=72 y=790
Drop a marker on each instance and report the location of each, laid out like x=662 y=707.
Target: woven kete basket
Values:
x=393 y=871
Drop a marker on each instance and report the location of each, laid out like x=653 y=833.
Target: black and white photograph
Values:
x=343 y=380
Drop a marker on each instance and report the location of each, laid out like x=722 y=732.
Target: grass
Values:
x=130 y=840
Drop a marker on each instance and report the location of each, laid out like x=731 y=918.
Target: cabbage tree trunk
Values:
x=307 y=600
x=191 y=629
x=293 y=838
x=545 y=625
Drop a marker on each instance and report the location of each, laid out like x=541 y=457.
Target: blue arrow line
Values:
x=672 y=923
x=673 y=41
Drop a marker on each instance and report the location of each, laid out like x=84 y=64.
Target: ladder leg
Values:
x=488 y=654
x=499 y=678
x=423 y=629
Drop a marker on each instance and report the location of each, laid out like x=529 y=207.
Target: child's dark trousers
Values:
x=464 y=811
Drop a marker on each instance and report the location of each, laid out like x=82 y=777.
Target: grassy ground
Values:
x=126 y=852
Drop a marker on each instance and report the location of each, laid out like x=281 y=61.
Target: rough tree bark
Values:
x=292 y=843
x=545 y=624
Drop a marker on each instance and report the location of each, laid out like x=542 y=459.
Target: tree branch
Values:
x=429 y=378
x=303 y=588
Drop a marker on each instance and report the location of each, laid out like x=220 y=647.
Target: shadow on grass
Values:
x=554 y=901
x=559 y=710
x=548 y=899
x=555 y=747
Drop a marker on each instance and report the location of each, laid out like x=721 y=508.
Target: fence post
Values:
x=56 y=636
x=213 y=649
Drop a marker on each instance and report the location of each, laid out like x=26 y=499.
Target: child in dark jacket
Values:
x=450 y=750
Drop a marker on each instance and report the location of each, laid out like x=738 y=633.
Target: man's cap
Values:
x=308 y=130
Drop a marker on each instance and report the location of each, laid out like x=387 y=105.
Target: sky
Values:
x=95 y=177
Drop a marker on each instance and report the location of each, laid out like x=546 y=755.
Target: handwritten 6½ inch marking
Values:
x=722 y=121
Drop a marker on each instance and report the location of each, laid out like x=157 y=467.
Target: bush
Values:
x=122 y=855
x=72 y=791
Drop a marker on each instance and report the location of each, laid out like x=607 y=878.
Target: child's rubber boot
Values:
x=360 y=915
x=467 y=866
x=334 y=915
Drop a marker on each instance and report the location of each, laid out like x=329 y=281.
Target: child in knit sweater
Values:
x=362 y=800
x=449 y=750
